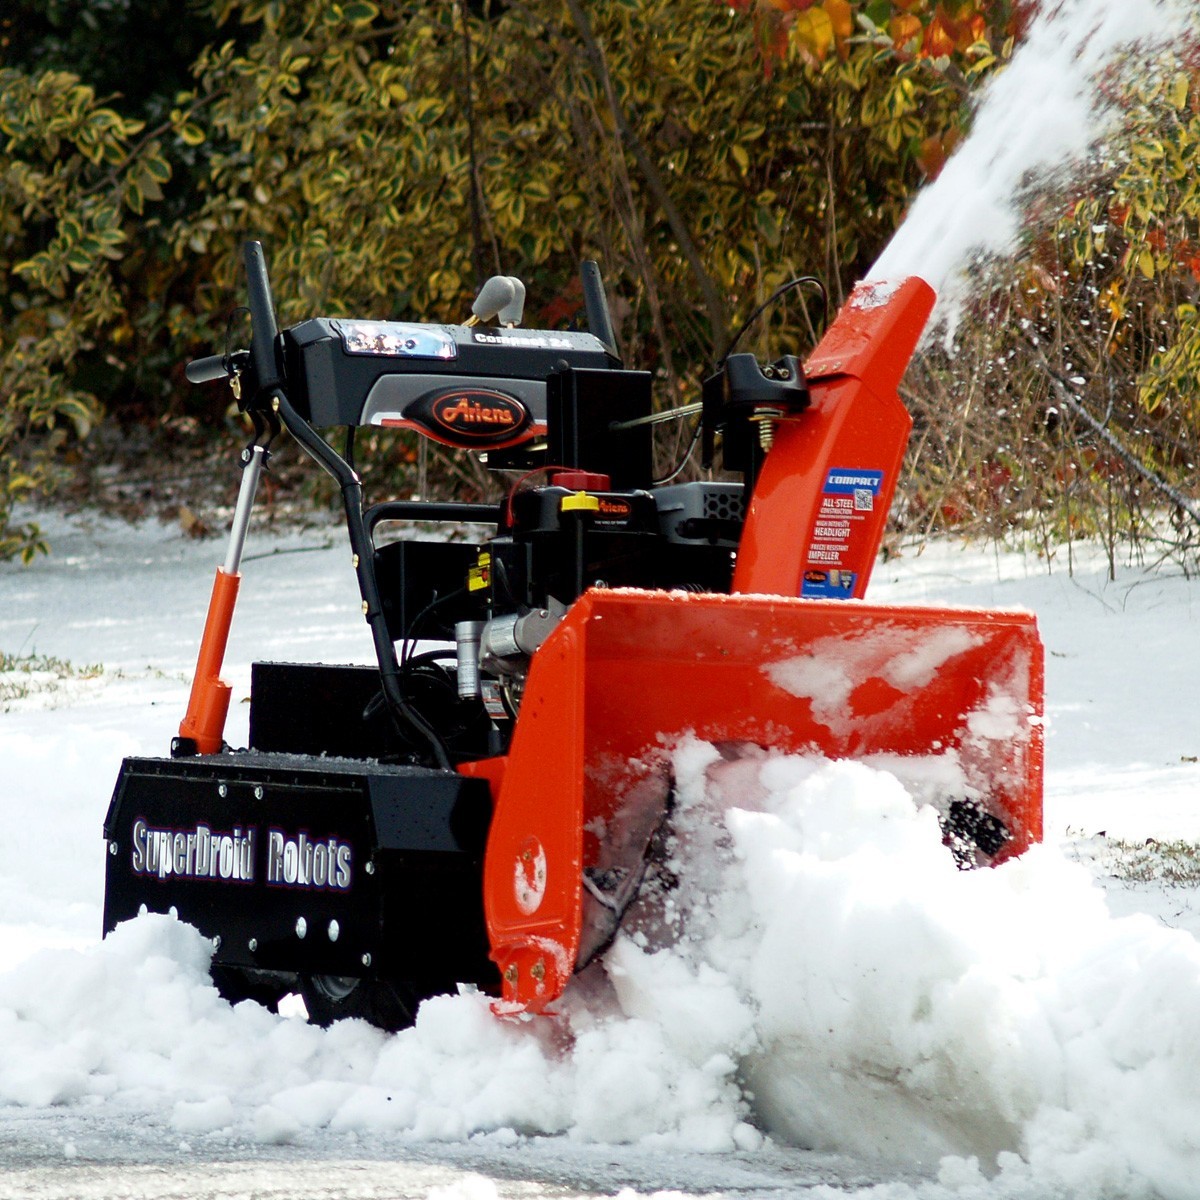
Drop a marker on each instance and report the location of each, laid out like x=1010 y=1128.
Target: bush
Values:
x=391 y=154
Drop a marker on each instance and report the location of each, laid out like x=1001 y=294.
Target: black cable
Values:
x=683 y=461
x=227 y=357
x=410 y=639
x=779 y=292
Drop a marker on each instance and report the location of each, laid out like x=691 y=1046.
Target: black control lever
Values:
x=262 y=315
x=595 y=307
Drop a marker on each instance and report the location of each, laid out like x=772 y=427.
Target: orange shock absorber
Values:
x=202 y=730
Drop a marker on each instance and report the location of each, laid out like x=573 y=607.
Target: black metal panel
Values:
x=582 y=405
x=315 y=709
x=426 y=580
x=306 y=866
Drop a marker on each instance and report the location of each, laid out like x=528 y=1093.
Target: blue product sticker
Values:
x=834 y=584
x=846 y=481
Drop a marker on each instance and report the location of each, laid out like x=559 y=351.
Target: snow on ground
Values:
x=822 y=977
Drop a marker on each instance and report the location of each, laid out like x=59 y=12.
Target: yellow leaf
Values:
x=1178 y=93
x=814 y=30
x=740 y=157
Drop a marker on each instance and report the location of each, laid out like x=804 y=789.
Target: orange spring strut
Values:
x=203 y=727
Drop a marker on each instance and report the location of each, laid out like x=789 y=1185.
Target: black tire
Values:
x=385 y=1003
x=236 y=985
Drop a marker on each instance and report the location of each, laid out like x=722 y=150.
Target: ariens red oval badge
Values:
x=471 y=416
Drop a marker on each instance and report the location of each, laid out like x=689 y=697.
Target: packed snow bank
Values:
x=808 y=962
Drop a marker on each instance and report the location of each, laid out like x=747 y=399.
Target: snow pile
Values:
x=808 y=963
x=134 y=1023
x=1040 y=116
x=905 y=1009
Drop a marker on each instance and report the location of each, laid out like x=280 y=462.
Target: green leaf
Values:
x=360 y=12
x=767 y=225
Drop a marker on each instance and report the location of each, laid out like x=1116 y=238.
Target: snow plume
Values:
x=806 y=963
x=1039 y=117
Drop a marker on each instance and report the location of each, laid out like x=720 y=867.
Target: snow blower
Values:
x=478 y=808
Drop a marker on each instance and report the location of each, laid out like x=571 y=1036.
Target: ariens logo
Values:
x=474 y=418
x=482 y=411
x=615 y=508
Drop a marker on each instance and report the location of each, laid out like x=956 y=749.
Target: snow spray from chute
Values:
x=1043 y=115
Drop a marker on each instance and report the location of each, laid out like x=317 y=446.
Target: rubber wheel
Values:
x=382 y=1002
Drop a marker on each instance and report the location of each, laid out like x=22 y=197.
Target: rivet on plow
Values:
x=510 y=974
x=538 y=970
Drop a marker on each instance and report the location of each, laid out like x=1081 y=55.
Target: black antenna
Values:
x=595 y=306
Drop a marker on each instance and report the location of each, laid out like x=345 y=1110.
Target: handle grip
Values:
x=205 y=370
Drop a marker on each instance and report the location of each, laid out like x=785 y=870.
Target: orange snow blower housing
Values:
x=778 y=663
x=482 y=811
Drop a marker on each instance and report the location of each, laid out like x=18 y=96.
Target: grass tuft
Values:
x=1172 y=864
x=26 y=675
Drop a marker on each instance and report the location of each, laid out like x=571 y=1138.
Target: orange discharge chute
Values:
x=783 y=663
